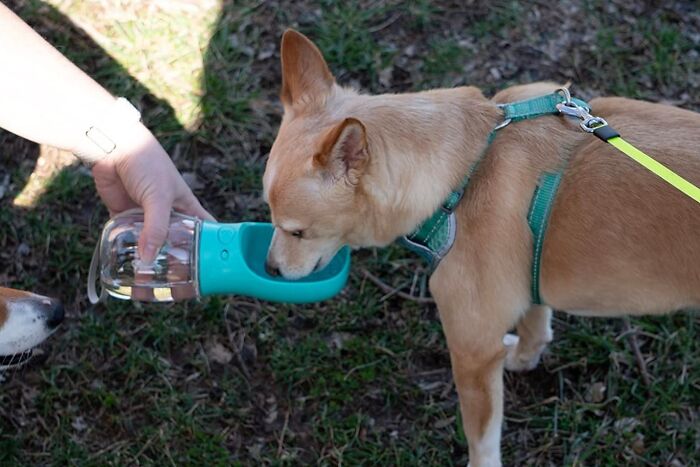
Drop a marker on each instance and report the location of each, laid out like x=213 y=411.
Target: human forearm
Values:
x=46 y=98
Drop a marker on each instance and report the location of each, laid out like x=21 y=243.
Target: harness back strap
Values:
x=537 y=107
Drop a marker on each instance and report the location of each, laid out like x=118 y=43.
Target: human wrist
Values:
x=114 y=130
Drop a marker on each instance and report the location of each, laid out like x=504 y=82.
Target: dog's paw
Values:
x=517 y=362
x=519 y=357
x=510 y=340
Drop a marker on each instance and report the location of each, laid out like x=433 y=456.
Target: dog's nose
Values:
x=56 y=314
x=271 y=270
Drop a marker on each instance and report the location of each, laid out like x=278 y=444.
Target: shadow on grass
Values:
x=48 y=242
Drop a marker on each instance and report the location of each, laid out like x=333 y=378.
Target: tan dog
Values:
x=363 y=170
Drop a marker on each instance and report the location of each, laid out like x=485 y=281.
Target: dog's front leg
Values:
x=475 y=339
x=476 y=313
x=478 y=376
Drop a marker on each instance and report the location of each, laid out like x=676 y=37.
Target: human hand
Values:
x=141 y=174
x=137 y=172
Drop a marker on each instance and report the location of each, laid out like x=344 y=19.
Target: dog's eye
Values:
x=298 y=234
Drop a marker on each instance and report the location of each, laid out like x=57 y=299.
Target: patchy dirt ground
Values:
x=364 y=378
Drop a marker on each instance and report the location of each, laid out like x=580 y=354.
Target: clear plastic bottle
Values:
x=201 y=258
x=173 y=274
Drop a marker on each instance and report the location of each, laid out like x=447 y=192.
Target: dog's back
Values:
x=619 y=235
x=620 y=239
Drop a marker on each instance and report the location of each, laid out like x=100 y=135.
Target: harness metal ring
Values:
x=504 y=123
x=567 y=95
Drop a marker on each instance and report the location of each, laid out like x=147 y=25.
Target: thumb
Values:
x=155 y=228
x=192 y=207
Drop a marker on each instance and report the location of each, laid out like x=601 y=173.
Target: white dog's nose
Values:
x=55 y=314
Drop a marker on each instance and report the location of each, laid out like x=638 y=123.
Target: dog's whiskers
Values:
x=15 y=361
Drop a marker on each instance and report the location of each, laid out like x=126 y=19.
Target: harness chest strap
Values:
x=434 y=237
x=538 y=219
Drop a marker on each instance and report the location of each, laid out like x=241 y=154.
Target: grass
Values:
x=363 y=379
x=444 y=61
x=345 y=36
x=503 y=14
x=654 y=56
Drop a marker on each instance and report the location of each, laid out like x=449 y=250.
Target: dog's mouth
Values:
x=15 y=360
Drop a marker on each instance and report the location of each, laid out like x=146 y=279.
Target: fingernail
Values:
x=149 y=255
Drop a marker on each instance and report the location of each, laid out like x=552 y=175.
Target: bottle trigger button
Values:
x=225 y=235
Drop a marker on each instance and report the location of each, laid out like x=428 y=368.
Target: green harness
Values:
x=433 y=238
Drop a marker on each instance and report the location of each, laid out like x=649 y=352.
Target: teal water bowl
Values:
x=232 y=261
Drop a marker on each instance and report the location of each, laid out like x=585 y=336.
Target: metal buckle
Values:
x=505 y=122
x=589 y=123
x=593 y=123
x=502 y=124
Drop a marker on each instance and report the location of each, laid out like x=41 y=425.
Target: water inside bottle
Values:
x=171 y=276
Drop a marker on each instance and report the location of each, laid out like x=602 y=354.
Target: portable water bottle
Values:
x=202 y=258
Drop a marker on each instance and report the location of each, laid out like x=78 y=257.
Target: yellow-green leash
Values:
x=548 y=183
x=602 y=130
x=656 y=167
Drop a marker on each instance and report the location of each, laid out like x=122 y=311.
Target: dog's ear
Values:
x=344 y=151
x=304 y=71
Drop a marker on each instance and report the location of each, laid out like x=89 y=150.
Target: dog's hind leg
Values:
x=534 y=333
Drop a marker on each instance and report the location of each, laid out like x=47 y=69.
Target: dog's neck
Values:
x=421 y=147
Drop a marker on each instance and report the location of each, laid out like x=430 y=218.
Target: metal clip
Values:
x=589 y=123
